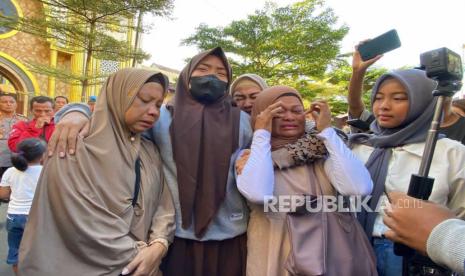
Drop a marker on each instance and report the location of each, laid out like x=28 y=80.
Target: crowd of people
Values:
x=133 y=185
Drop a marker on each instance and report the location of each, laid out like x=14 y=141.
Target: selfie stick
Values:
x=420 y=184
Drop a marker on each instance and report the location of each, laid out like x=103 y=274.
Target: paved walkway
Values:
x=5 y=270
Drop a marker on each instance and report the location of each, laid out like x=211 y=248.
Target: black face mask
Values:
x=207 y=89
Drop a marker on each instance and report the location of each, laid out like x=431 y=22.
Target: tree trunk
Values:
x=87 y=68
x=136 y=44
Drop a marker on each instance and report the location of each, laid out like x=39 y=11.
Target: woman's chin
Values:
x=138 y=129
x=388 y=124
x=291 y=133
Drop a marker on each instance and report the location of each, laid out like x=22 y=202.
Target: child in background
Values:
x=19 y=184
x=91 y=102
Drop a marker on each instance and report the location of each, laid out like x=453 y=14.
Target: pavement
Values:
x=5 y=269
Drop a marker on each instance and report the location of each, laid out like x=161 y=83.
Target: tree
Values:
x=286 y=45
x=92 y=27
x=338 y=77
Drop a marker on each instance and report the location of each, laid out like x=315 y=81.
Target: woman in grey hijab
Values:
x=403 y=106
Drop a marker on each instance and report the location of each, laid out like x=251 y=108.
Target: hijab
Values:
x=267 y=98
x=413 y=129
x=82 y=218
x=248 y=81
x=204 y=137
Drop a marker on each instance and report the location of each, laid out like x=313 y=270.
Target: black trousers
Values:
x=210 y=258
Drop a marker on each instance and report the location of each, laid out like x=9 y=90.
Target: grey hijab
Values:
x=413 y=130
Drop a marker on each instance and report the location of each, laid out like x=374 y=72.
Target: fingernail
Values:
x=50 y=153
x=71 y=151
x=62 y=154
x=125 y=271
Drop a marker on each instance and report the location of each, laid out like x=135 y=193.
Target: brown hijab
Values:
x=203 y=137
x=82 y=221
x=266 y=98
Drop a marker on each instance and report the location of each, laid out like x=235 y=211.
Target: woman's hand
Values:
x=147 y=261
x=66 y=133
x=265 y=118
x=241 y=161
x=360 y=66
x=321 y=114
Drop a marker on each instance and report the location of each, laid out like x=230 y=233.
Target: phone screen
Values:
x=379 y=45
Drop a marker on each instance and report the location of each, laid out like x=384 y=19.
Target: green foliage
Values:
x=295 y=45
x=96 y=28
x=286 y=45
x=340 y=77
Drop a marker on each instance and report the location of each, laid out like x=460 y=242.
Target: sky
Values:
x=422 y=25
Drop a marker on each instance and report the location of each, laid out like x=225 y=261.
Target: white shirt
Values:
x=446 y=244
x=447 y=169
x=23 y=186
x=347 y=174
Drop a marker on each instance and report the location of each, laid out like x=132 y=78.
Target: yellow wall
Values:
x=24 y=49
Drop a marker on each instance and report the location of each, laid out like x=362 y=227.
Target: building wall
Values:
x=26 y=48
x=62 y=88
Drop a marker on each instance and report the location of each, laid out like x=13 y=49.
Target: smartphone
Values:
x=360 y=124
x=379 y=45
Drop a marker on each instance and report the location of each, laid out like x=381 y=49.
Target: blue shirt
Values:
x=233 y=214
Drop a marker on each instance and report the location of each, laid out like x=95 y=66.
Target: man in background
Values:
x=60 y=101
x=41 y=126
x=8 y=117
x=91 y=102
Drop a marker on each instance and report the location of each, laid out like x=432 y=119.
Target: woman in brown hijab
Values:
x=205 y=135
x=286 y=161
x=199 y=136
x=107 y=206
